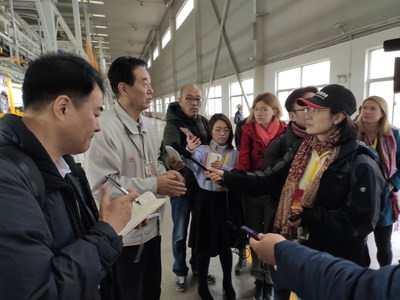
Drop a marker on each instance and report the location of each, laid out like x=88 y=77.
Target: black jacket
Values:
x=347 y=204
x=59 y=251
x=172 y=133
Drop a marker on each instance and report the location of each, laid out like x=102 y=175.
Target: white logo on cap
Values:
x=322 y=95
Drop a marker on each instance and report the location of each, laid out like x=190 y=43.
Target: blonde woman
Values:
x=374 y=129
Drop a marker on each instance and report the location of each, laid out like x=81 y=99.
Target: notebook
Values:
x=149 y=203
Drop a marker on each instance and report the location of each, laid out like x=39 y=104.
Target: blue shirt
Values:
x=200 y=155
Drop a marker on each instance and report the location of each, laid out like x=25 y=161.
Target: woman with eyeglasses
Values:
x=262 y=126
x=209 y=232
x=330 y=199
x=374 y=129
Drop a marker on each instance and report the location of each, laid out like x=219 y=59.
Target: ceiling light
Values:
x=100 y=26
x=98 y=16
x=96 y=2
x=101 y=34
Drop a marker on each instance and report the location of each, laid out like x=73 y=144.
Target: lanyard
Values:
x=375 y=143
x=225 y=160
x=315 y=165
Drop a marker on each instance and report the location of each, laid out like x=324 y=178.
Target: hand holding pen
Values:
x=116 y=212
x=120 y=187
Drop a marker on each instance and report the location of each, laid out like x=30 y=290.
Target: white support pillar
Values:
x=259 y=44
x=172 y=26
x=87 y=26
x=102 y=60
x=15 y=30
x=197 y=41
x=45 y=9
x=77 y=27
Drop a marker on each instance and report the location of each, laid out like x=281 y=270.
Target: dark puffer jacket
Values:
x=59 y=251
x=347 y=204
x=172 y=133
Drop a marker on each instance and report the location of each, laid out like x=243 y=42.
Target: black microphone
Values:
x=186 y=154
x=391 y=45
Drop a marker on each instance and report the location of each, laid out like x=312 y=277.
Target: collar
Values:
x=62 y=167
x=129 y=123
x=215 y=145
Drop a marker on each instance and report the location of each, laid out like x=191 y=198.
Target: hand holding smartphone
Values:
x=294 y=217
x=187 y=132
x=250 y=232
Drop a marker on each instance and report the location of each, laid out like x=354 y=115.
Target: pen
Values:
x=119 y=187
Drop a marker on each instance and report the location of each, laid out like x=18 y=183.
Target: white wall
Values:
x=346 y=58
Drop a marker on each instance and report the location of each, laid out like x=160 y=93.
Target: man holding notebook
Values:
x=127 y=151
x=183 y=119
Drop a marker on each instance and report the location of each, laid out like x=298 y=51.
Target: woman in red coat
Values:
x=262 y=126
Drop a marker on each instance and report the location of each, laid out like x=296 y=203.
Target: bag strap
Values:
x=28 y=168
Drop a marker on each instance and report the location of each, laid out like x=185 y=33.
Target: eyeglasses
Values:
x=314 y=111
x=220 y=130
x=262 y=109
x=190 y=98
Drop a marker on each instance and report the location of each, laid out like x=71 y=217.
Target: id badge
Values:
x=150 y=168
x=298 y=194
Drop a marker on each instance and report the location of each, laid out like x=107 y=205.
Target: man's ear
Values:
x=122 y=88
x=61 y=106
x=292 y=116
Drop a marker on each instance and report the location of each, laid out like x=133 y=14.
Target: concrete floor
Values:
x=243 y=284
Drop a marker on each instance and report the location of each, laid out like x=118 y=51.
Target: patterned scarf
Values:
x=386 y=149
x=297 y=130
x=297 y=169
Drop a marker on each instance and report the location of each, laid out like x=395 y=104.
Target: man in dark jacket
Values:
x=62 y=247
x=183 y=114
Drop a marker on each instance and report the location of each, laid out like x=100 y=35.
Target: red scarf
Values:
x=275 y=129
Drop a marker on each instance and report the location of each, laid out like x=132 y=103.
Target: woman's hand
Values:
x=217 y=164
x=215 y=175
x=192 y=143
x=299 y=210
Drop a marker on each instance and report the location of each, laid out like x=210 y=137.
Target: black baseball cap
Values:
x=332 y=96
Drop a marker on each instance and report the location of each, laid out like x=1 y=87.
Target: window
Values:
x=380 y=81
x=182 y=14
x=155 y=53
x=166 y=38
x=214 y=102
x=316 y=74
x=159 y=106
x=167 y=101
x=236 y=96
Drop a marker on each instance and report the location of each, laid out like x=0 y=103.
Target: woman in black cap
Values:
x=329 y=199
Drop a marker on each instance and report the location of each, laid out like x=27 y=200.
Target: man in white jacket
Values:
x=127 y=150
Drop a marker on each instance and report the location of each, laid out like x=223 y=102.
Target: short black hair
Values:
x=298 y=93
x=121 y=70
x=54 y=74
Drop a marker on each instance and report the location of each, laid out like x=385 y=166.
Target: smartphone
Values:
x=294 y=217
x=187 y=132
x=250 y=232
